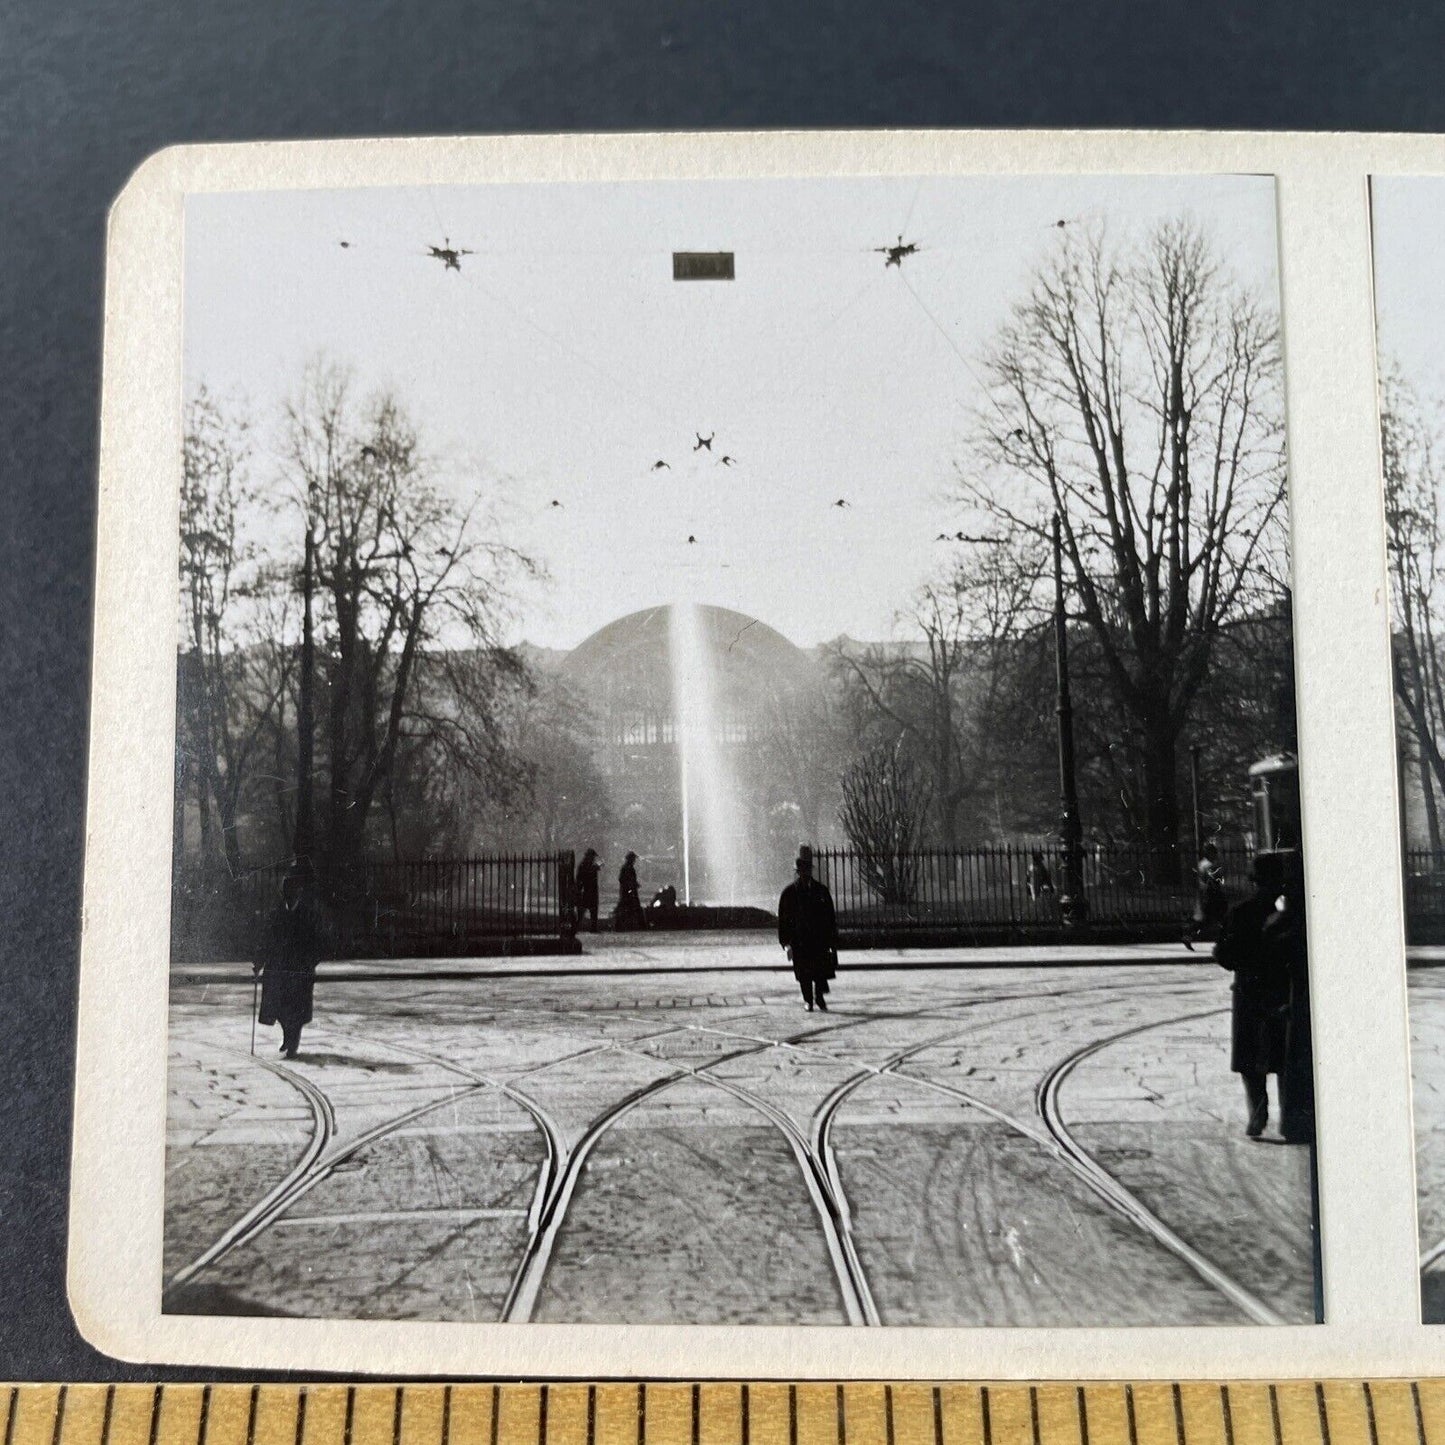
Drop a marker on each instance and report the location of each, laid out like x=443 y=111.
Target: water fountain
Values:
x=709 y=798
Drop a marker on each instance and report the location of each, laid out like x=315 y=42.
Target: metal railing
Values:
x=1424 y=895
x=1004 y=887
x=385 y=909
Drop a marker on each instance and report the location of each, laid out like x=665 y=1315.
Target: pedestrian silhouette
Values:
x=587 y=871
x=1210 y=904
x=629 y=914
x=1285 y=935
x=808 y=931
x=1261 y=989
x=287 y=960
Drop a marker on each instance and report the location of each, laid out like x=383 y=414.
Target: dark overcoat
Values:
x=1286 y=934
x=808 y=927
x=288 y=962
x=1261 y=988
x=629 y=900
x=587 y=872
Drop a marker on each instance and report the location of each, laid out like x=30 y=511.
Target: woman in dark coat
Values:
x=629 y=899
x=288 y=960
x=808 y=931
x=1261 y=989
x=1286 y=934
x=587 y=871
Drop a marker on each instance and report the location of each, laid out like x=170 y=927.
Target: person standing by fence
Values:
x=629 y=898
x=1261 y=989
x=587 y=890
x=808 y=931
x=1211 y=907
x=287 y=961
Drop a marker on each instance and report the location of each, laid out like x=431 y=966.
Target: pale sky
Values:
x=1408 y=225
x=563 y=361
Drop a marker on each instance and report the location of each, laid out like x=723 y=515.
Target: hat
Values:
x=805 y=858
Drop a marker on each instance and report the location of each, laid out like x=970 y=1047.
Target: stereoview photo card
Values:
x=724 y=751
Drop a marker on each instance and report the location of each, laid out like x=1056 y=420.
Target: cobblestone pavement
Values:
x=1427 y=1061
x=1016 y=1145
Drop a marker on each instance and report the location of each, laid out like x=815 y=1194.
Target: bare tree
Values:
x=231 y=684
x=403 y=574
x=1416 y=548
x=942 y=694
x=885 y=804
x=1136 y=395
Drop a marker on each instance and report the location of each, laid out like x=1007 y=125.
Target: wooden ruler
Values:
x=1350 y=1412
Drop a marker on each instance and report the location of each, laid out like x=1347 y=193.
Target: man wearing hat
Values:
x=1261 y=988
x=808 y=931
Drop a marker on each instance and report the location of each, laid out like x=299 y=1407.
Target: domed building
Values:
x=711 y=727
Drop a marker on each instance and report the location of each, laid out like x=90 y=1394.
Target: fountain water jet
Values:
x=709 y=797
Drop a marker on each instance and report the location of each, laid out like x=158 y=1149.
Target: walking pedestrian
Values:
x=1261 y=989
x=587 y=889
x=808 y=931
x=1211 y=906
x=629 y=899
x=1286 y=934
x=1041 y=881
x=288 y=958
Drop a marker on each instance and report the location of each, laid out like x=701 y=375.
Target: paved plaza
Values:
x=658 y=1132
x=1427 y=1062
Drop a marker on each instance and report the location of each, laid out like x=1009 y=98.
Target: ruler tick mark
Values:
x=59 y=1417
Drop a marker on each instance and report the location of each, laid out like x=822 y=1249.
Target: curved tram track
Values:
x=562 y=1166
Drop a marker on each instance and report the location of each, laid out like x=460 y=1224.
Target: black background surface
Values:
x=88 y=90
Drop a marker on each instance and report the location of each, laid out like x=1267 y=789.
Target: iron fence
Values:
x=443 y=907
x=1014 y=887
x=1425 y=895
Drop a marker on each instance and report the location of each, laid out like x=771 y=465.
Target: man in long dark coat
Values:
x=1287 y=935
x=629 y=898
x=587 y=871
x=1261 y=989
x=808 y=931
x=288 y=960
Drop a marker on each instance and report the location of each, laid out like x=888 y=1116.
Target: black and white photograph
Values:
x=1410 y=312
x=736 y=754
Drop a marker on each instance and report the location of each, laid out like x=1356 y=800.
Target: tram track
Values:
x=563 y=1165
x=1055 y=1137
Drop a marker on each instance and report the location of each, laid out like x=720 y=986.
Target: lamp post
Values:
x=1194 y=796
x=303 y=847
x=1073 y=904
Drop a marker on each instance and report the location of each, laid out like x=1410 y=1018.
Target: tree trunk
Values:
x=1427 y=790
